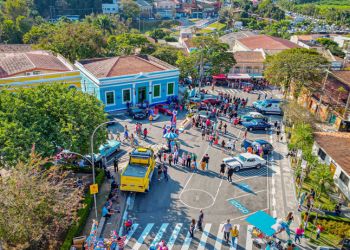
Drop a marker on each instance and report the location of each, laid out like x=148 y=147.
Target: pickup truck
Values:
x=137 y=175
x=245 y=160
x=107 y=149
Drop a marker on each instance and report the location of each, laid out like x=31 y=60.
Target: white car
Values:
x=243 y=161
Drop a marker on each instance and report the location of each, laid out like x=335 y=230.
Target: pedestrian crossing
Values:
x=249 y=173
x=232 y=91
x=177 y=237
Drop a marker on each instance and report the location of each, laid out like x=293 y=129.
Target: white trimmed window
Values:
x=126 y=95
x=110 y=98
x=170 y=88
x=156 y=91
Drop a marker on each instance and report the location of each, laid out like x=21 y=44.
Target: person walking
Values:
x=222 y=168
x=170 y=159
x=200 y=220
x=229 y=174
x=160 y=170
x=203 y=133
x=159 y=154
x=278 y=132
x=301 y=200
x=192 y=227
x=206 y=160
x=116 y=165
x=165 y=172
x=319 y=229
x=145 y=132
x=194 y=159
x=164 y=157
x=245 y=133
x=299 y=233
x=225 y=128
x=188 y=160
x=234 y=234
x=227 y=229
x=289 y=218
x=176 y=157
x=150 y=119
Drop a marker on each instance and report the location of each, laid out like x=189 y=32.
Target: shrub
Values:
x=170 y=39
x=83 y=214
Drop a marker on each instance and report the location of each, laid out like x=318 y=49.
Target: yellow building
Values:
x=35 y=67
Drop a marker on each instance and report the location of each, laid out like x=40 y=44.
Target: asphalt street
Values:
x=165 y=212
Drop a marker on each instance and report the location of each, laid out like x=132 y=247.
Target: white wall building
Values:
x=110 y=8
x=332 y=148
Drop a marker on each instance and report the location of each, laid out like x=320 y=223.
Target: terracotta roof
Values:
x=267 y=43
x=15 y=63
x=344 y=75
x=249 y=57
x=336 y=145
x=15 y=48
x=124 y=65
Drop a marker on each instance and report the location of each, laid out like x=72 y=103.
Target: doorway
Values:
x=142 y=95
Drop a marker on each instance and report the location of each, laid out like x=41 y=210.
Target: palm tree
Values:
x=104 y=23
x=302 y=136
x=322 y=179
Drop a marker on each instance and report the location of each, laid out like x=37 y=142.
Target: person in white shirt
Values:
x=227 y=229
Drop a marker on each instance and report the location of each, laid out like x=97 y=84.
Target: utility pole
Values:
x=322 y=92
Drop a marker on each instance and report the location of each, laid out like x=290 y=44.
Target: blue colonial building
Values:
x=136 y=79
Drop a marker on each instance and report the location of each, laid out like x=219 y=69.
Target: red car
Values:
x=165 y=109
x=212 y=101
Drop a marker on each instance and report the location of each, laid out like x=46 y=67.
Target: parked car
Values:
x=164 y=109
x=273 y=108
x=256 y=125
x=211 y=99
x=203 y=106
x=244 y=161
x=137 y=113
x=266 y=146
x=256 y=104
x=206 y=114
x=253 y=116
x=247 y=86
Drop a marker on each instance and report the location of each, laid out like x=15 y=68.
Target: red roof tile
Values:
x=267 y=43
x=124 y=65
x=336 y=145
x=16 y=63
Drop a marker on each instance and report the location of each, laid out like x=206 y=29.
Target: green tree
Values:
x=38 y=32
x=130 y=9
x=322 y=179
x=48 y=117
x=302 y=136
x=126 y=44
x=74 y=41
x=158 y=34
x=332 y=46
x=37 y=206
x=167 y=54
x=210 y=51
x=295 y=68
x=12 y=9
x=187 y=66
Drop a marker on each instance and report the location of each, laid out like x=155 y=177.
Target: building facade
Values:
x=249 y=62
x=32 y=68
x=129 y=80
x=332 y=149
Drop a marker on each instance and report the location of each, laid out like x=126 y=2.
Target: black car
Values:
x=137 y=113
x=267 y=147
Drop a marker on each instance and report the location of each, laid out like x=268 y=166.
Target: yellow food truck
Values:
x=137 y=175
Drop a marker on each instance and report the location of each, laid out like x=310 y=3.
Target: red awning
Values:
x=220 y=77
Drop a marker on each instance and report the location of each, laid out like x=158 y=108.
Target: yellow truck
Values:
x=137 y=175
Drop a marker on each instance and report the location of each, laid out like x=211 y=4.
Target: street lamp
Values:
x=93 y=159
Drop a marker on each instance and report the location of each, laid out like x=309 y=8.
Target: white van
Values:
x=273 y=108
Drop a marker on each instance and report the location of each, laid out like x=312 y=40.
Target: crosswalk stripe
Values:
x=174 y=235
x=204 y=236
x=249 y=240
x=131 y=232
x=219 y=238
x=187 y=242
x=234 y=246
x=143 y=236
x=159 y=235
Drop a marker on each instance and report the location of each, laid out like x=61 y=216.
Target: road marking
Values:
x=234 y=246
x=273 y=190
x=243 y=216
x=143 y=236
x=239 y=206
x=201 y=190
x=249 y=240
x=187 y=242
x=243 y=195
x=219 y=238
x=131 y=232
x=174 y=236
x=204 y=237
x=159 y=235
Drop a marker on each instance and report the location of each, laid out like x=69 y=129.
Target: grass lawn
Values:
x=326 y=239
x=205 y=31
x=218 y=26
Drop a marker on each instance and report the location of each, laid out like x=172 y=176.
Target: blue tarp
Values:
x=263 y=222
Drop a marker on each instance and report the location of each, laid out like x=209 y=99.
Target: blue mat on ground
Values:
x=263 y=222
